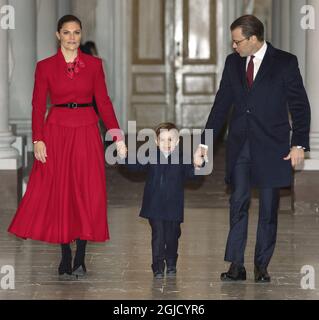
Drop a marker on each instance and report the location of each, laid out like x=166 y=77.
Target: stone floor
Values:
x=120 y=268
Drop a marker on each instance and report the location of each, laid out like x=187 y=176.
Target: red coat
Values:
x=51 y=79
x=66 y=197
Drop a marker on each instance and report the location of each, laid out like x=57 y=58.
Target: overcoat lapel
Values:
x=265 y=67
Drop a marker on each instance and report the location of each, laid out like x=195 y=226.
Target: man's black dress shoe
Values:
x=261 y=275
x=235 y=273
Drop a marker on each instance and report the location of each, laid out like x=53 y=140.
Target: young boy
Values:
x=163 y=199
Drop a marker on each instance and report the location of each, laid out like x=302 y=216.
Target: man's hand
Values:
x=296 y=156
x=121 y=149
x=40 y=151
x=200 y=156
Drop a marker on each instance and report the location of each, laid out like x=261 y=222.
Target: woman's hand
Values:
x=40 y=151
x=121 y=149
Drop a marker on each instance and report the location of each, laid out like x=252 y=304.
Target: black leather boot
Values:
x=79 y=268
x=65 y=267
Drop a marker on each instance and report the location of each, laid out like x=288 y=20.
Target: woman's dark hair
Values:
x=68 y=18
x=251 y=26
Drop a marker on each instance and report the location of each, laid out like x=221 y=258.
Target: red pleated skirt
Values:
x=66 y=197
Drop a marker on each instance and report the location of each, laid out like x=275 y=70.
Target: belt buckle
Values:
x=73 y=105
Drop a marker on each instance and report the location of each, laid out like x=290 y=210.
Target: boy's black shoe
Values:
x=158 y=268
x=171 y=271
x=158 y=274
x=235 y=273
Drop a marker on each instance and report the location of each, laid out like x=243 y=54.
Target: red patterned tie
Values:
x=250 y=72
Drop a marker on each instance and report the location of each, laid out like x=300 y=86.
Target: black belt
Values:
x=74 y=105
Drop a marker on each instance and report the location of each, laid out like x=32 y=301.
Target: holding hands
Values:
x=121 y=149
x=200 y=156
x=40 y=151
x=296 y=155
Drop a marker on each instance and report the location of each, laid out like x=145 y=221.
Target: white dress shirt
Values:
x=259 y=56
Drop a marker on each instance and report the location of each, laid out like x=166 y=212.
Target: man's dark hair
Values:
x=251 y=26
x=68 y=18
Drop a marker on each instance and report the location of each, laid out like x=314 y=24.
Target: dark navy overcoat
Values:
x=261 y=115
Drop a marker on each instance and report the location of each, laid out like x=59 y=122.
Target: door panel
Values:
x=152 y=94
x=173 y=61
x=195 y=63
x=198 y=31
x=148 y=32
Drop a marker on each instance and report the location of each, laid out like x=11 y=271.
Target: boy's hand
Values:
x=121 y=149
x=200 y=156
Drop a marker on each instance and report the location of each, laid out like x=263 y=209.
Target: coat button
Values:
x=248 y=111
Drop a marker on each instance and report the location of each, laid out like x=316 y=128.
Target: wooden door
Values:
x=173 y=61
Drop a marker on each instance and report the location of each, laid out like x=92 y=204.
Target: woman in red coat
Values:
x=65 y=199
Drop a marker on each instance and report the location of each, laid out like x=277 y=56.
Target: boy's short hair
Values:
x=164 y=126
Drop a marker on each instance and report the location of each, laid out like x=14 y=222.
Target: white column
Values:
x=22 y=41
x=9 y=158
x=281 y=24
x=87 y=11
x=227 y=13
x=285 y=25
x=111 y=32
x=122 y=32
x=64 y=7
x=276 y=23
x=312 y=71
x=298 y=35
x=286 y=31
x=248 y=6
x=104 y=36
x=46 y=27
x=235 y=10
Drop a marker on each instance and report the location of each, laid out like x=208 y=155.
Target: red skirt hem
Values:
x=66 y=197
x=29 y=237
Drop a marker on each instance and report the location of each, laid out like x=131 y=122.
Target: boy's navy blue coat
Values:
x=164 y=189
